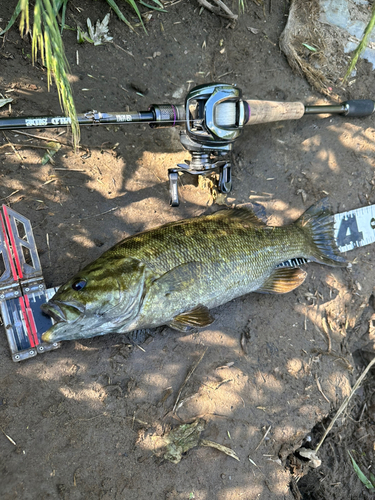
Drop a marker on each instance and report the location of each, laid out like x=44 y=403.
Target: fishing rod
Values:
x=213 y=115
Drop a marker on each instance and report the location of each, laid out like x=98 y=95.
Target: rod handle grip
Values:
x=272 y=111
x=359 y=107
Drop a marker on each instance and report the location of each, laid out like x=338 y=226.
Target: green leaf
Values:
x=313 y=49
x=82 y=36
x=134 y=5
x=158 y=3
x=362 y=45
x=360 y=474
x=50 y=152
x=118 y=12
x=151 y=6
x=63 y=14
x=3 y=102
x=15 y=14
x=57 y=4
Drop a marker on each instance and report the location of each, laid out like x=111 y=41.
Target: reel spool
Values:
x=215 y=117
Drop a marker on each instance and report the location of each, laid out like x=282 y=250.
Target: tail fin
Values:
x=318 y=225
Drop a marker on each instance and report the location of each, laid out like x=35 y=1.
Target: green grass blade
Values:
x=63 y=14
x=134 y=5
x=24 y=21
x=15 y=14
x=360 y=474
x=363 y=44
x=151 y=6
x=56 y=5
x=37 y=40
x=158 y=3
x=118 y=12
x=52 y=50
x=313 y=49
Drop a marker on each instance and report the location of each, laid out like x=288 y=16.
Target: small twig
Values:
x=9 y=438
x=334 y=354
x=226 y=9
x=48 y=182
x=224 y=74
x=97 y=215
x=345 y=403
x=48 y=139
x=363 y=437
x=223 y=382
x=137 y=420
x=70 y=422
x=325 y=329
x=362 y=412
x=192 y=370
x=216 y=10
x=321 y=390
x=220 y=447
x=25 y=145
x=12 y=146
x=70 y=169
x=118 y=47
x=49 y=249
x=257 y=466
x=263 y=438
x=11 y=194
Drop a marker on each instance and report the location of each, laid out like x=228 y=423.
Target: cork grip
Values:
x=271 y=111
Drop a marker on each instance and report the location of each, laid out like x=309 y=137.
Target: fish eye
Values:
x=79 y=284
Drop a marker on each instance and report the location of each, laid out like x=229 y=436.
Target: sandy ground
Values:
x=87 y=418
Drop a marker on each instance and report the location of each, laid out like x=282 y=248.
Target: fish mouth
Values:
x=62 y=313
x=54 y=311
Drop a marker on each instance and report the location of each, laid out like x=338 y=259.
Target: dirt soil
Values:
x=85 y=419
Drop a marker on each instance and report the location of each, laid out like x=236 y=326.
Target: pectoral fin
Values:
x=283 y=280
x=180 y=278
x=197 y=317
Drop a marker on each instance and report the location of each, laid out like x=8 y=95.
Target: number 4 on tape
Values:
x=355 y=228
x=22 y=288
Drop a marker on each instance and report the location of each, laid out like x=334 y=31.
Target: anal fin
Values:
x=198 y=317
x=283 y=280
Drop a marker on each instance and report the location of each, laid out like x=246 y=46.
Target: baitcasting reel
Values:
x=215 y=115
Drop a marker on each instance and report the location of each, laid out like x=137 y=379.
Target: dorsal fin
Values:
x=252 y=214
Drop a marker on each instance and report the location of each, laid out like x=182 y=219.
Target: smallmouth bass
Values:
x=174 y=274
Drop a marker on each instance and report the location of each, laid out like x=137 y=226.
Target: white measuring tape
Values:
x=355 y=228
